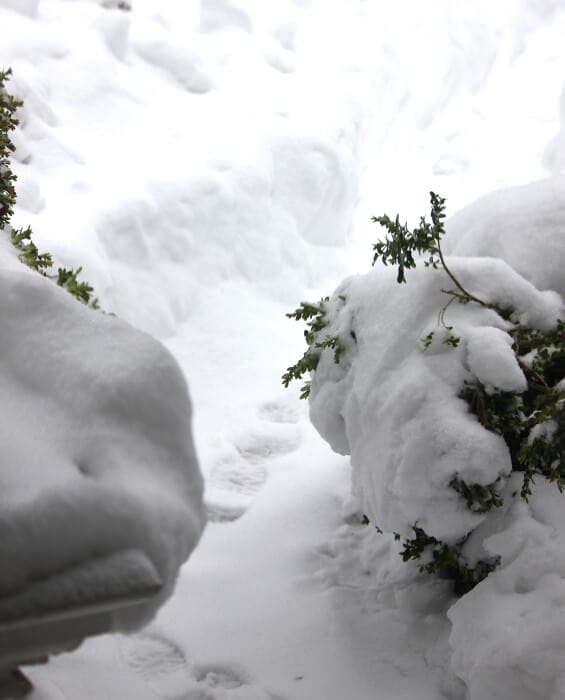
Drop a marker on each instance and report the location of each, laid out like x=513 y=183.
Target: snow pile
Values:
x=393 y=405
x=97 y=454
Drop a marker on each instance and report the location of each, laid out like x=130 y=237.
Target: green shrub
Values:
x=316 y=321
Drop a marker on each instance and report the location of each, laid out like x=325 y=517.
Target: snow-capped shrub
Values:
x=21 y=238
x=497 y=369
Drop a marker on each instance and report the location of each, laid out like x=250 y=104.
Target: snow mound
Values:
x=97 y=453
x=521 y=225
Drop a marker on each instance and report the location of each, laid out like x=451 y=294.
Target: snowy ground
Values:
x=210 y=165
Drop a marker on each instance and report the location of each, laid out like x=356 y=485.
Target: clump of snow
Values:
x=493 y=281
x=97 y=454
x=492 y=361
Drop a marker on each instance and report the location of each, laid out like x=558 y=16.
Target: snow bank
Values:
x=243 y=177
x=97 y=455
x=393 y=405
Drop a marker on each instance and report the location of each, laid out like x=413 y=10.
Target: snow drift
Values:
x=393 y=406
x=97 y=453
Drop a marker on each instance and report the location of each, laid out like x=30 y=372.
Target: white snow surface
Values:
x=97 y=454
x=210 y=164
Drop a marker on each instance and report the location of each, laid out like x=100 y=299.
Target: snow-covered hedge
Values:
x=424 y=464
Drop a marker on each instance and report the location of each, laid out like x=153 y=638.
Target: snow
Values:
x=97 y=451
x=507 y=634
x=521 y=225
x=492 y=361
x=210 y=165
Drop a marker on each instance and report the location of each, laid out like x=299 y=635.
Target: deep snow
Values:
x=97 y=455
x=210 y=164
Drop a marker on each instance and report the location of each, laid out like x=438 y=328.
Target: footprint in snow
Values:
x=279 y=412
x=239 y=475
x=159 y=661
x=166 y=670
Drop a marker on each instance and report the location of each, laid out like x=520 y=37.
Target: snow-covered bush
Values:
x=480 y=398
x=453 y=416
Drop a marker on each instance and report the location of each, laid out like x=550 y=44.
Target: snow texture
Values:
x=97 y=451
x=492 y=361
x=507 y=635
x=210 y=164
x=522 y=226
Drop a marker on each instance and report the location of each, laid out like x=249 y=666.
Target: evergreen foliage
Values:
x=532 y=423
x=68 y=279
x=21 y=238
x=402 y=245
x=315 y=317
x=478 y=497
x=446 y=561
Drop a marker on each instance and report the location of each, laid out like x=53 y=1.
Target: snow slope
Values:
x=210 y=164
